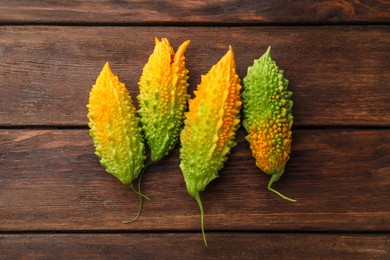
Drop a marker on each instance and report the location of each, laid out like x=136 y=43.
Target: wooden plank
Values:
x=51 y=180
x=187 y=11
x=190 y=246
x=339 y=75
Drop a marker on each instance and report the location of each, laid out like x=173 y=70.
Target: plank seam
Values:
x=214 y=231
x=297 y=127
x=193 y=24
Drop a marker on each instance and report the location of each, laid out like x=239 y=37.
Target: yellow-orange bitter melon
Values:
x=163 y=97
x=115 y=129
x=210 y=127
x=268 y=117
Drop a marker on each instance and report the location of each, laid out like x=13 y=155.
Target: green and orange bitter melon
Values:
x=210 y=127
x=268 y=117
x=163 y=97
x=114 y=128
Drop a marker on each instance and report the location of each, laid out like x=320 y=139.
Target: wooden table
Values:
x=56 y=201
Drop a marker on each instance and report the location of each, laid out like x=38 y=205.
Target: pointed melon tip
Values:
x=267 y=54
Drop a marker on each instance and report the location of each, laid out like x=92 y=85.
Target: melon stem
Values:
x=273 y=179
x=197 y=197
x=140 y=196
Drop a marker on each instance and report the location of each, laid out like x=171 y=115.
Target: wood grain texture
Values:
x=339 y=75
x=51 y=180
x=182 y=245
x=57 y=202
x=190 y=11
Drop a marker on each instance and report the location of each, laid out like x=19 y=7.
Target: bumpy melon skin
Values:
x=210 y=125
x=114 y=128
x=267 y=115
x=163 y=97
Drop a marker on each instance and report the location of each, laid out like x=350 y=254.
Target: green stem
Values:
x=139 y=193
x=140 y=196
x=139 y=207
x=274 y=178
x=197 y=197
x=140 y=177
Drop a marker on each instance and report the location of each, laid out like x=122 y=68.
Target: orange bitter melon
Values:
x=163 y=97
x=114 y=128
x=268 y=117
x=210 y=127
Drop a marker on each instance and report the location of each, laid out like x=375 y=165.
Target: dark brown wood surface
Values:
x=341 y=179
x=179 y=245
x=337 y=74
x=189 y=11
x=57 y=202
